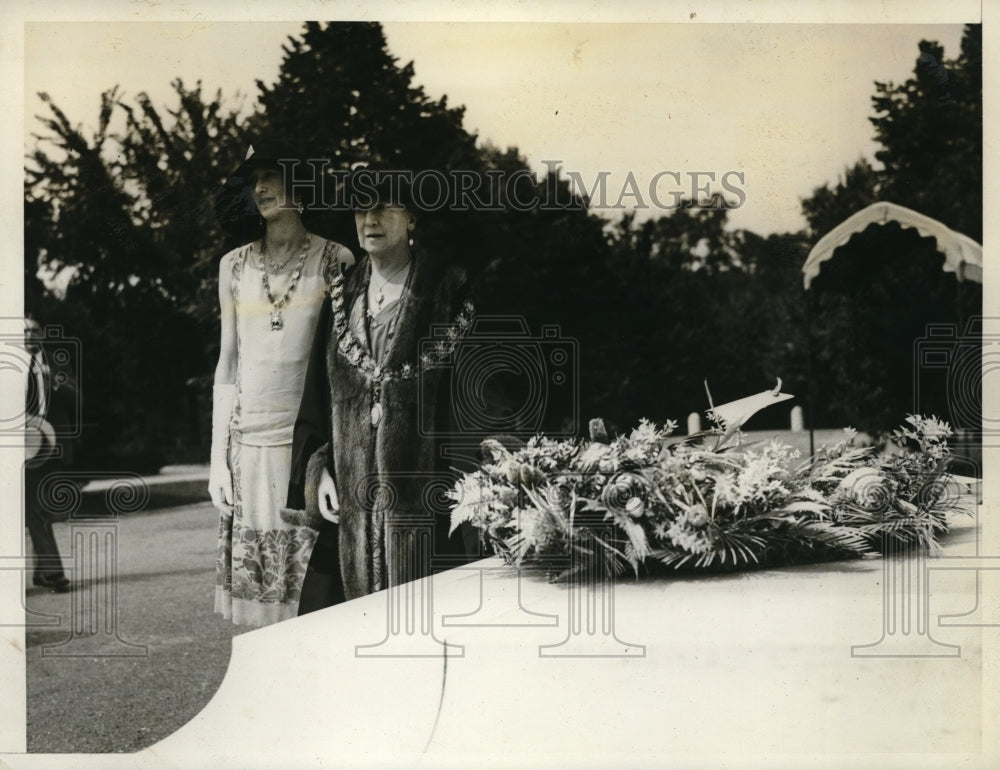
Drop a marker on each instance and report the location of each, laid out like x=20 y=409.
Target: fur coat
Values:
x=390 y=476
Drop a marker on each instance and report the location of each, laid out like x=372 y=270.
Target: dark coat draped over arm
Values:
x=312 y=425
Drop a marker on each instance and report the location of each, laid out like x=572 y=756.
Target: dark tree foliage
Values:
x=860 y=186
x=868 y=335
x=342 y=95
x=649 y=309
x=131 y=214
x=931 y=132
x=127 y=215
x=697 y=301
x=872 y=305
x=930 y=129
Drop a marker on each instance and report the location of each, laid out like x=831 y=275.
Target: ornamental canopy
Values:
x=962 y=255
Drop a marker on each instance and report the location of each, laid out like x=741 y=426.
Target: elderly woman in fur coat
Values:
x=367 y=448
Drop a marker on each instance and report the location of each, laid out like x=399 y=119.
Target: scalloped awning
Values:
x=962 y=255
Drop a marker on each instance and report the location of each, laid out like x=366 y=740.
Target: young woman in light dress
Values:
x=270 y=294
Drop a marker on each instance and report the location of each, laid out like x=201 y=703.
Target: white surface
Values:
x=756 y=662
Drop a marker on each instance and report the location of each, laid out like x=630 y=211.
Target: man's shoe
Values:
x=58 y=583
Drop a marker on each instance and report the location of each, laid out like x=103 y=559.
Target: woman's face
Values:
x=269 y=192
x=384 y=228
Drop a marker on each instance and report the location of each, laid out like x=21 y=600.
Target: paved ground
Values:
x=165 y=593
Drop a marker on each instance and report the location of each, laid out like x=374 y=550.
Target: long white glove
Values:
x=220 y=478
x=329 y=502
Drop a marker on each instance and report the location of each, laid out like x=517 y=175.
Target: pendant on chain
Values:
x=277 y=322
x=376 y=410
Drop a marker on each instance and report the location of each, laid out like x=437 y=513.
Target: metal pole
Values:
x=809 y=372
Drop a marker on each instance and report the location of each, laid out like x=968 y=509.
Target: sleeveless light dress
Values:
x=261 y=560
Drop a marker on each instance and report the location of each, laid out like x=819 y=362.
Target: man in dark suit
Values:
x=45 y=454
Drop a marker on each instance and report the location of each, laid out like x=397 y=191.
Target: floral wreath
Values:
x=359 y=357
x=645 y=500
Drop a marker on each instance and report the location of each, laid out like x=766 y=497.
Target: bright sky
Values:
x=786 y=106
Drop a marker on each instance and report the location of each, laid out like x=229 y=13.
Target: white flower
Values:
x=635 y=454
x=635 y=507
x=645 y=433
x=864 y=486
x=933 y=428
x=593 y=456
x=696 y=515
x=472 y=494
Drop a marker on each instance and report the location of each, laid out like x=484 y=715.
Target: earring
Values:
x=300 y=207
x=411 y=241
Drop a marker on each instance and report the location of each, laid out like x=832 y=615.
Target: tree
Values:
x=871 y=307
x=931 y=132
x=342 y=95
x=654 y=308
x=872 y=304
x=697 y=301
x=130 y=216
x=860 y=186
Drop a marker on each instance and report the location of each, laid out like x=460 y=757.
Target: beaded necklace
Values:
x=277 y=322
x=358 y=356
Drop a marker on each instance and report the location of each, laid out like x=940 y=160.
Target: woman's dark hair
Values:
x=370 y=186
x=234 y=205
